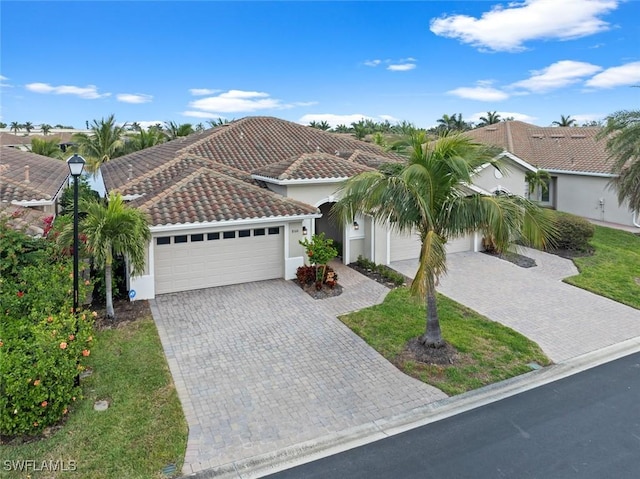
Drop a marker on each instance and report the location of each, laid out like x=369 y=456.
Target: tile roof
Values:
x=206 y=195
x=311 y=166
x=46 y=176
x=553 y=148
x=28 y=220
x=207 y=176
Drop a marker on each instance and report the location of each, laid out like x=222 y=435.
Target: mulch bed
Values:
x=376 y=276
x=324 y=293
x=126 y=312
x=416 y=351
x=515 y=258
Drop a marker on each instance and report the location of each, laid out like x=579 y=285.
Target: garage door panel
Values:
x=408 y=246
x=209 y=263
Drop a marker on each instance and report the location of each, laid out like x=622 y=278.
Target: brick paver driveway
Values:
x=263 y=366
x=564 y=320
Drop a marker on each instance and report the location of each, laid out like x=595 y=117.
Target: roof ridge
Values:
x=292 y=167
x=509 y=136
x=172 y=188
x=217 y=131
x=149 y=174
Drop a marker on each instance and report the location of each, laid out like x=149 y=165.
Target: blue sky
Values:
x=69 y=62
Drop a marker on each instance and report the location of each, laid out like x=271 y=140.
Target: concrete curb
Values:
x=262 y=465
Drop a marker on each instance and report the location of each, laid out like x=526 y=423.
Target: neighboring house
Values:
x=31 y=181
x=23 y=142
x=230 y=205
x=578 y=164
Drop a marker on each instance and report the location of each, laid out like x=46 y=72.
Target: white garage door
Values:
x=408 y=246
x=204 y=260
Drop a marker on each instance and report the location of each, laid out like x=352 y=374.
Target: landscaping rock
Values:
x=101 y=405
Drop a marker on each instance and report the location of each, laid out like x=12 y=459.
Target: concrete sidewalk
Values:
x=564 y=320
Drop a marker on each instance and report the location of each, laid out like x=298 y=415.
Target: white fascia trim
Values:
x=28 y=203
x=131 y=197
x=513 y=158
x=475 y=188
x=309 y=181
x=231 y=223
x=583 y=173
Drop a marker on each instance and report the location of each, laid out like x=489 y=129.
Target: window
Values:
x=180 y=239
x=274 y=231
x=229 y=234
x=163 y=240
x=244 y=233
x=258 y=232
x=213 y=236
x=195 y=238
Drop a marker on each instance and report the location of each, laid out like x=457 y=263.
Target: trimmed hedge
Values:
x=574 y=232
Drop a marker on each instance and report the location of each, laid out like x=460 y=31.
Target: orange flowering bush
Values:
x=42 y=342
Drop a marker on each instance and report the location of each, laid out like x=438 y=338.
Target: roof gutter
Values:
x=582 y=173
x=232 y=223
x=305 y=181
x=28 y=203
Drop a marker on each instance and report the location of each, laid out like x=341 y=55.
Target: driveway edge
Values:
x=262 y=465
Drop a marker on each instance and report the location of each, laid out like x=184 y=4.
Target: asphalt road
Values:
x=584 y=426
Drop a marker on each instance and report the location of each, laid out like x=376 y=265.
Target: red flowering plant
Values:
x=320 y=251
x=42 y=342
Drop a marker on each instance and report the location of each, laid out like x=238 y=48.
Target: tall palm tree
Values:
x=45 y=128
x=15 y=127
x=491 y=119
x=45 y=147
x=427 y=196
x=564 y=121
x=622 y=132
x=113 y=229
x=105 y=141
x=28 y=126
x=538 y=180
x=143 y=139
x=452 y=123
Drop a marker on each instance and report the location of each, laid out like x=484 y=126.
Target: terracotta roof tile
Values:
x=553 y=148
x=205 y=195
x=46 y=176
x=311 y=166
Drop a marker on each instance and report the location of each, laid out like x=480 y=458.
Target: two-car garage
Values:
x=408 y=246
x=203 y=259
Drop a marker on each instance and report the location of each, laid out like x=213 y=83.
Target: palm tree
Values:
x=341 y=129
x=172 y=130
x=622 y=132
x=15 y=127
x=105 y=141
x=538 y=180
x=28 y=126
x=452 y=123
x=45 y=129
x=113 y=229
x=135 y=126
x=491 y=119
x=199 y=127
x=324 y=125
x=427 y=196
x=45 y=147
x=218 y=122
x=565 y=121
x=143 y=139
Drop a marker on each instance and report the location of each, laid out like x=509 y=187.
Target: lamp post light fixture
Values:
x=76 y=165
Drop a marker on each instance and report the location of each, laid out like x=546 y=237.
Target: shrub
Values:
x=308 y=275
x=384 y=271
x=574 y=232
x=42 y=343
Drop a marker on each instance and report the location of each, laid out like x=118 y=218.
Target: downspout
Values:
x=634 y=219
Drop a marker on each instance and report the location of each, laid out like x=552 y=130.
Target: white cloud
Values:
x=504 y=114
x=146 y=124
x=134 y=97
x=389 y=118
x=479 y=93
x=90 y=92
x=202 y=91
x=588 y=117
x=628 y=74
x=201 y=114
x=507 y=29
x=3 y=79
x=557 y=75
x=373 y=63
x=234 y=101
x=402 y=67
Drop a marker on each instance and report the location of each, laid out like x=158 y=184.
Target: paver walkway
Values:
x=262 y=366
x=564 y=320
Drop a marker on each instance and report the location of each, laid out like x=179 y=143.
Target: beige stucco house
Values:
x=578 y=163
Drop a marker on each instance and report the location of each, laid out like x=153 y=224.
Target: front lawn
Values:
x=614 y=269
x=488 y=351
x=144 y=428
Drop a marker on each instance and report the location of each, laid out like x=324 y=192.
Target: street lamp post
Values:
x=76 y=165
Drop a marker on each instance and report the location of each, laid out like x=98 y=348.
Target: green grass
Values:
x=488 y=351
x=614 y=269
x=143 y=430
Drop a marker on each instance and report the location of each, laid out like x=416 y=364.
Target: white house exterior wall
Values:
x=313 y=194
x=581 y=195
x=512 y=179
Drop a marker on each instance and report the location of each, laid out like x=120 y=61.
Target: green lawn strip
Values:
x=144 y=428
x=614 y=269
x=489 y=351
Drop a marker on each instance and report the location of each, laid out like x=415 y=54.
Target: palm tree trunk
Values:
x=432 y=338
x=109 y=291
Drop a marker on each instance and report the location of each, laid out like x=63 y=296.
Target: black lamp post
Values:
x=76 y=165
